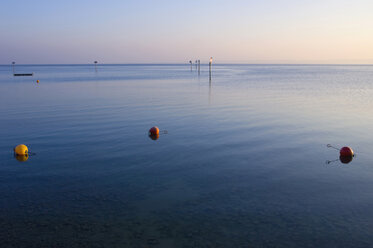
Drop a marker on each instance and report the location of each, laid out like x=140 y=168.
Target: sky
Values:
x=165 y=31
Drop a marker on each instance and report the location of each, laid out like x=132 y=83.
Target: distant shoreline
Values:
x=187 y=64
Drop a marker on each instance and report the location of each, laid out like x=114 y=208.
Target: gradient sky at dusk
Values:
x=165 y=31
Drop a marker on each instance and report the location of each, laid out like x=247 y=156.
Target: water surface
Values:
x=243 y=163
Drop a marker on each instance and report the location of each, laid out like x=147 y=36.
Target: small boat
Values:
x=23 y=74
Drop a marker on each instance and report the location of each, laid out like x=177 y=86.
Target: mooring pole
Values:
x=210 y=63
x=13 y=63
x=199 y=66
x=191 y=65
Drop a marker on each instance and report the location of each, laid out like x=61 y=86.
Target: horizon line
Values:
x=186 y=63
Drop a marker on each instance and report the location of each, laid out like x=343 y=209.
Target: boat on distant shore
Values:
x=23 y=74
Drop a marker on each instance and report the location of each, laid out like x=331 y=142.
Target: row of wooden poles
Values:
x=198 y=66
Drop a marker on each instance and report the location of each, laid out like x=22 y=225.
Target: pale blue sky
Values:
x=164 y=31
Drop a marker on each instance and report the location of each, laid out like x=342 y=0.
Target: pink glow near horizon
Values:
x=167 y=32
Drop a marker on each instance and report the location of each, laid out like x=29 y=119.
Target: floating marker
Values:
x=346 y=152
x=154 y=131
x=21 y=150
x=37 y=81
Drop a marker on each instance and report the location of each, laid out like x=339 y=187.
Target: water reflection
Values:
x=21 y=158
x=342 y=159
x=154 y=136
x=204 y=179
x=210 y=91
x=346 y=159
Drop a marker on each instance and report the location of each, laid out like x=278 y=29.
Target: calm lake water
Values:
x=244 y=163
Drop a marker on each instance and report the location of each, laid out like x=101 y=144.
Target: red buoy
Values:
x=154 y=131
x=346 y=152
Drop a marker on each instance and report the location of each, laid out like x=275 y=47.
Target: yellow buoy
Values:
x=37 y=81
x=21 y=150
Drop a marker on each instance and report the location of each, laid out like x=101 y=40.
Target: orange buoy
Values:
x=346 y=152
x=37 y=81
x=154 y=131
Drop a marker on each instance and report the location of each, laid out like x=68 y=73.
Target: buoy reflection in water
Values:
x=22 y=158
x=154 y=136
x=346 y=159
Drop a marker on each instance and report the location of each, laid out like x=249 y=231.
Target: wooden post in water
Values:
x=191 y=65
x=199 y=66
x=13 y=63
x=210 y=64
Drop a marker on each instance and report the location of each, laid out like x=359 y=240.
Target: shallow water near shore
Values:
x=244 y=163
